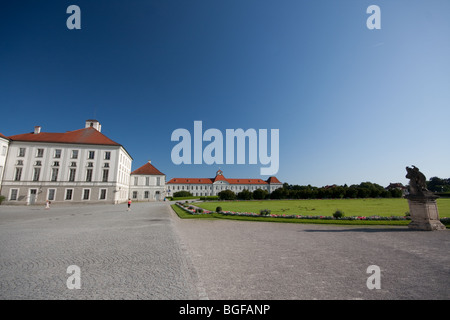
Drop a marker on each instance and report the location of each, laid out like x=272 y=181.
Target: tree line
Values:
x=362 y=190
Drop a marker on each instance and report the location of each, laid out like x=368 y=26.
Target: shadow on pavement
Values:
x=368 y=230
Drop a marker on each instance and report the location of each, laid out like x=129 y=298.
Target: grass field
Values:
x=326 y=207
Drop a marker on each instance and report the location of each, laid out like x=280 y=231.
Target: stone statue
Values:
x=422 y=203
x=417 y=182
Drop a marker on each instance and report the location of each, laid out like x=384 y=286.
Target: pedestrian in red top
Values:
x=129 y=204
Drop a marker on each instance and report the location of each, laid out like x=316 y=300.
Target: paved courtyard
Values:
x=149 y=253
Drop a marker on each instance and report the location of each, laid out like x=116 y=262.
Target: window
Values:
x=72 y=173
x=40 y=153
x=88 y=175
x=158 y=181
x=74 y=154
x=69 y=193
x=36 y=173
x=106 y=165
x=73 y=164
x=105 y=175
x=107 y=155
x=51 y=194
x=91 y=154
x=147 y=181
x=57 y=153
x=54 y=174
x=146 y=194
x=134 y=194
x=86 y=193
x=14 y=193
x=4 y=151
x=21 y=152
x=102 y=194
x=20 y=162
x=18 y=174
x=136 y=181
x=38 y=163
x=90 y=164
x=56 y=163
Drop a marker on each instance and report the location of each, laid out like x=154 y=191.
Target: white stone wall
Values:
x=4 y=146
x=49 y=156
x=216 y=187
x=147 y=188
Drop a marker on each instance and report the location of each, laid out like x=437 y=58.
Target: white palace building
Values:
x=85 y=166
x=80 y=166
x=212 y=186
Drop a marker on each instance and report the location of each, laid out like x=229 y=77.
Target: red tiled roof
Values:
x=272 y=180
x=221 y=178
x=246 y=181
x=80 y=136
x=3 y=136
x=191 y=181
x=147 y=169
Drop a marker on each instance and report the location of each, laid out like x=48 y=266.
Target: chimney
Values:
x=93 y=124
x=37 y=129
x=150 y=161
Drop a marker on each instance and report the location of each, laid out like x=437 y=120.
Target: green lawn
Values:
x=326 y=207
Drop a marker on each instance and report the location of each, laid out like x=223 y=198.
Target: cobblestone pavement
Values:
x=121 y=255
x=149 y=253
x=262 y=260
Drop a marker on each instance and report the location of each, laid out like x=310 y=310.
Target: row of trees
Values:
x=436 y=184
x=362 y=190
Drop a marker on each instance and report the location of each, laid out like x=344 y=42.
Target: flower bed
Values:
x=299 y=216
x=189 y=208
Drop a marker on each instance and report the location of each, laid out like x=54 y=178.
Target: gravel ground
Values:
x=121 y=255
x=261 y=260
x=149 y=253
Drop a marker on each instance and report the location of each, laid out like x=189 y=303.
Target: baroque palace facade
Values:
x=85 y=166
x=80 y=166
x=212 y=186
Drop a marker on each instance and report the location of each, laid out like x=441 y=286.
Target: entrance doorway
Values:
x=33 y=196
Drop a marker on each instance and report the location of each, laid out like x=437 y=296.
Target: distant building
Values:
x=72 y=167
x=398 y=186
x=212 y=186
x=4 y=146
x=147 y=184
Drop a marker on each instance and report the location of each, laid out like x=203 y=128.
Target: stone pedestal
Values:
x=424 y=213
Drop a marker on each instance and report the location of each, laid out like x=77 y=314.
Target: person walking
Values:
x=47 y=204
x=129 y=204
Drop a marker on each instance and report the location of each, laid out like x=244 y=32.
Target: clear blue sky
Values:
x=351 y=104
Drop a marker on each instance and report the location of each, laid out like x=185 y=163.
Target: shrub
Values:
x=227 y=195
x=212 y=198
x=199 y=210
x=219 y=209
x=338 y=214
x=180 y=194
x=260 y=194
x=264 y=212
x=2 y=198
x=245 y=195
